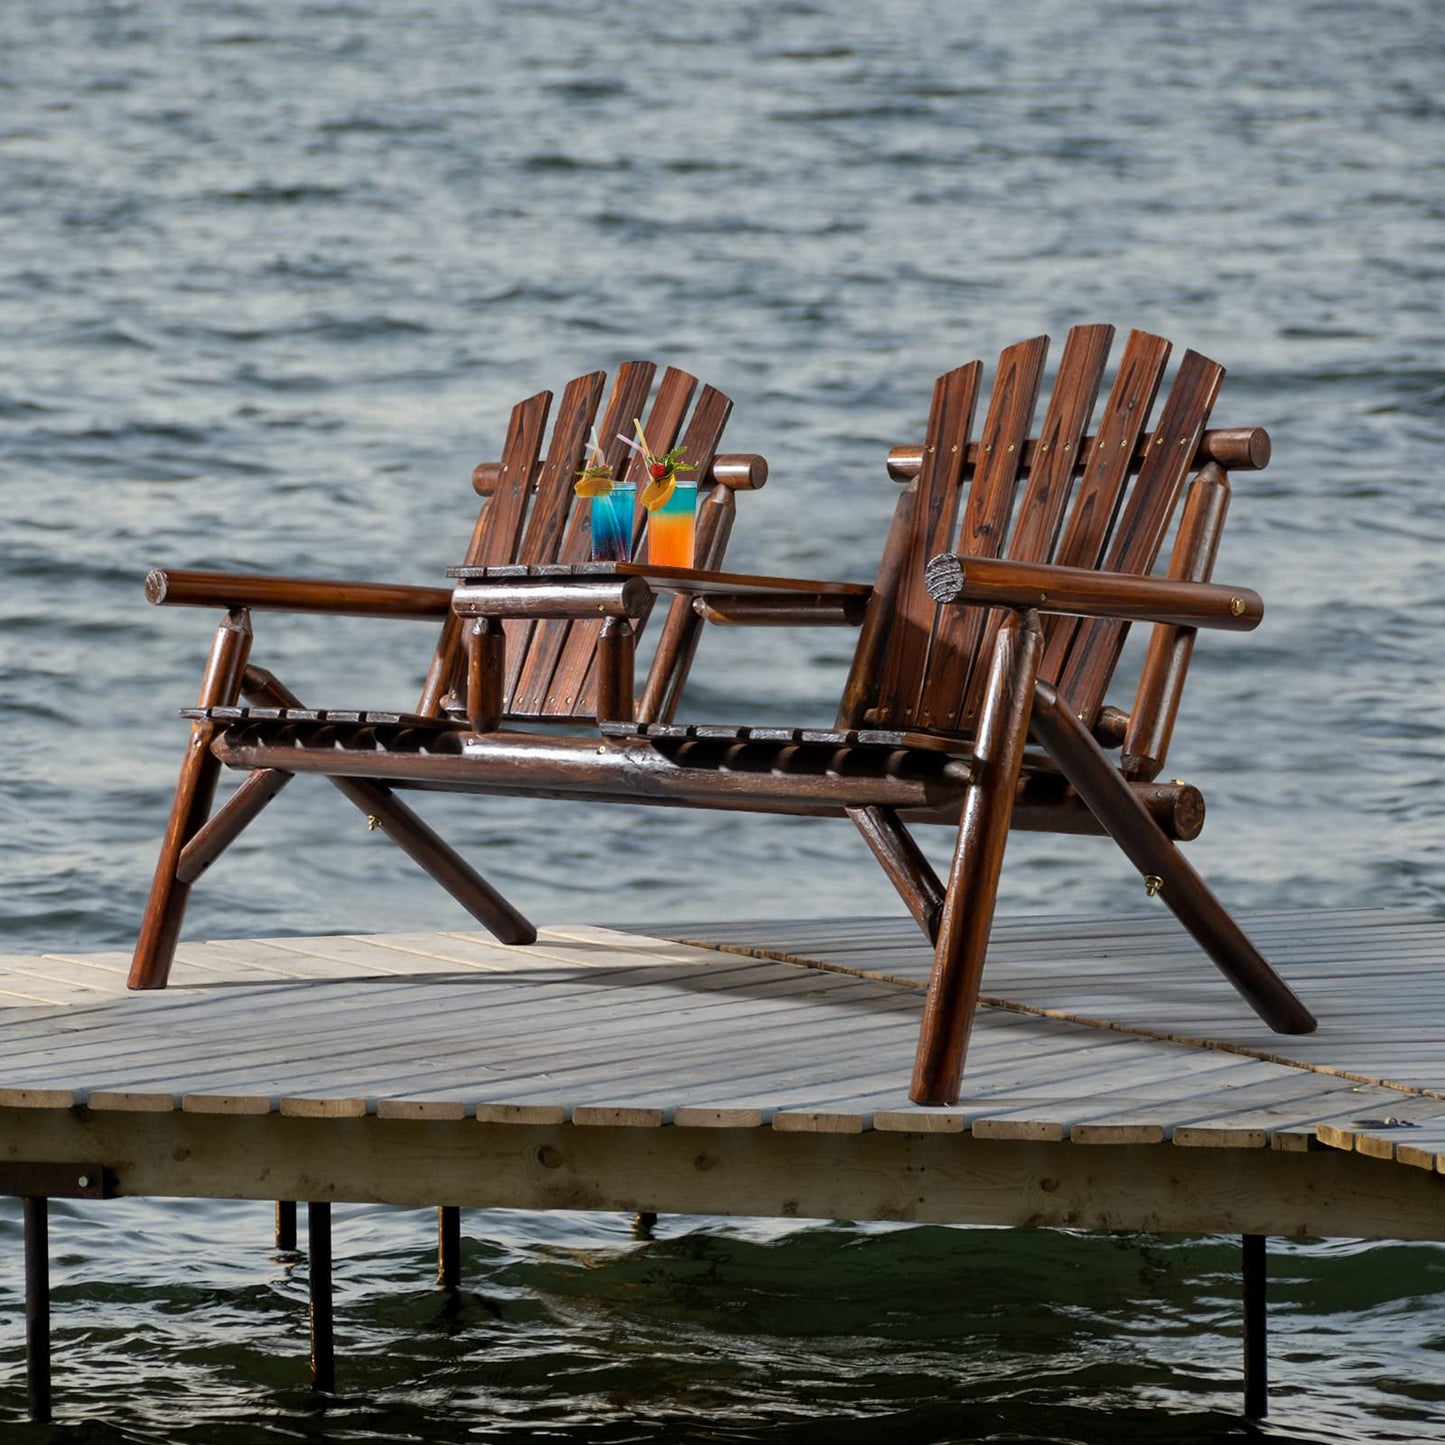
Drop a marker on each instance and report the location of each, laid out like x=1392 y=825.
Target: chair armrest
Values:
x=1083 y=592
x=175 y=587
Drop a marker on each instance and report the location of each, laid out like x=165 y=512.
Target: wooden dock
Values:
x=1115 y=1080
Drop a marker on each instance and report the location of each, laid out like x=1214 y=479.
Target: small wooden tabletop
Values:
x=665 y=579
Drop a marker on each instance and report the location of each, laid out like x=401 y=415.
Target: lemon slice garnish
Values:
x=655 y=494
x=586 y=486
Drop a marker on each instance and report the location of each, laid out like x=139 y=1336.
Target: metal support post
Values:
x=1256 y=1342
x=323 y=1337
x=286 y=1226
x=449 y=1248
x=37 y=1308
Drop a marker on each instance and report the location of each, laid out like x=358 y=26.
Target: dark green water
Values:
x=272 y=273
x=181 y=1324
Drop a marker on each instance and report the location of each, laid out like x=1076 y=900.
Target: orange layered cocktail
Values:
x=670 y=527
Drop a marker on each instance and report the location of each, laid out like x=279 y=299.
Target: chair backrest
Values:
x=533 y=517
x=1101 y=499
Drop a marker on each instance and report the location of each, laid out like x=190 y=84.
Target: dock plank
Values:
x=1102 y=1033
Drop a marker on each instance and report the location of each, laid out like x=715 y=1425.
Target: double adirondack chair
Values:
x=978 y=694
x=530 y=518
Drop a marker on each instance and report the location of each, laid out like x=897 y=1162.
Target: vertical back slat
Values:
x=1142 y=526
x=663 y=427
x=553 y=495
x=935 y=507
x=533 y=648
x=1106 y=470
x=496 y=535
x=498 y=531
x=1040 y=512
x=552 y=502
x=959 y=630
x=700 y=441
x=1161 y=678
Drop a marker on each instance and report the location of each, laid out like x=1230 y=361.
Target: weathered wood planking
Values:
x=606 y=1030
x=1141 y=975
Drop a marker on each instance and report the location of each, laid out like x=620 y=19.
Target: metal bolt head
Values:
x=83 y=1182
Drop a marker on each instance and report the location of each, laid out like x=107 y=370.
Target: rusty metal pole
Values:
x=449 y=1248
x=323 y=1337
x=286 y=1226
x=1256 y=1342
x=37 y=1307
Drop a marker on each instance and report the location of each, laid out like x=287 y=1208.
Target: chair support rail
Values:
x=1236 y=449
x=737 y=471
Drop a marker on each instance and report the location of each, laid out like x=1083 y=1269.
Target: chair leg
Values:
x=195 y=791
x=1126 y=820
x=977 y=861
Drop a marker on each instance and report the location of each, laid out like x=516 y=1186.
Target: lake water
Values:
x=271 y=276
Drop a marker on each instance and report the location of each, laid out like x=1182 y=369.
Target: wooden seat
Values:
x=979 y=693
x=530 y=520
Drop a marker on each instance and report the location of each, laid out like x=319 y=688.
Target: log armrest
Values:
x=1083 y=592
x=176 y=587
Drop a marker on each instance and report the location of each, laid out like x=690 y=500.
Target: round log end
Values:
x=944 y=576
x=741 y=471
x=904 y=463
x=1188 y=812
x=634 y=595
x=156 y=586
x=484 y=478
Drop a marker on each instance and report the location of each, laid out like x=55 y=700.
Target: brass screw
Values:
x=1236 y=606
x=372 y=822
x=1152 y=884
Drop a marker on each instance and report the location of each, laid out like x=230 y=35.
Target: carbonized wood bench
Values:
x=980 y=690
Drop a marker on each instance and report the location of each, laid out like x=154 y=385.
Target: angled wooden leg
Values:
x=411 y=834
x=195 y=791
x=229 y=821
x=1128 y=822
x=438 y=859
x=903 y=861
x=977 y=860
